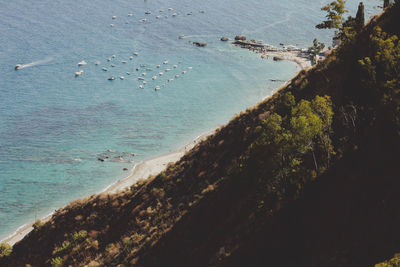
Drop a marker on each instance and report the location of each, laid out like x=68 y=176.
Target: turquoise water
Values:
x=54 y=126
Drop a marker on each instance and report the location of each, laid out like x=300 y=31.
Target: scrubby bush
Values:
x=56 y=262
x=5 y=250
x=37 y=225
x=393 y=262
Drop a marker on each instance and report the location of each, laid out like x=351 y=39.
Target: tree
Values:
x=334 y=16
x=322 y=106
x=286 y=140
x=305 y=125
x=360 y=18
x=381 y=75
x=386 y=3
x=316 y=48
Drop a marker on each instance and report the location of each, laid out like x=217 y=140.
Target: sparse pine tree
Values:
x=334 y=16
x=360 y=18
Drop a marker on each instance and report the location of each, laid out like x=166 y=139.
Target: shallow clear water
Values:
x=54 y=126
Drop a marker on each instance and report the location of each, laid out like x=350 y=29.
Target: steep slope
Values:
x=237 y=198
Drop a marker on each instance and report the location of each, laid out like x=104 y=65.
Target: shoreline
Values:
x=294 y=54
x=154 y=165
x=141 y=170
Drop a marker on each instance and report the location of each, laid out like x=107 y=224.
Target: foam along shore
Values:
x=296 y=55
x=142 y=170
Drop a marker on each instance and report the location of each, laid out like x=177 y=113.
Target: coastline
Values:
x=154 y=165
x=293 y=54
x=141 y=170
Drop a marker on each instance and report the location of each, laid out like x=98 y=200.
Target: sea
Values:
x=64 y=137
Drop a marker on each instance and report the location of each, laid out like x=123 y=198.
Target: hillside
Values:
x=308 y=177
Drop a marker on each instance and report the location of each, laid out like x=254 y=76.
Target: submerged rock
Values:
x=199 y=44
x=240 y=37
x=224 y=39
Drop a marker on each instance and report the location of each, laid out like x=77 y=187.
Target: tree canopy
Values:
x=334 y=16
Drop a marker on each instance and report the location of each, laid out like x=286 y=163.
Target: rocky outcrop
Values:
x=240 y=37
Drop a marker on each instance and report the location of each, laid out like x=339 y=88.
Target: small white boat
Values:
x=143 y=20
x=160 y=73
x=184 y=72
x=18 y=66
x=143 y=73
x=78 y=73
x=97 y=63
x=130 y=57
x=114 y=17
x=202 y=11
x=158 y=66
x=123 y=61
x=141 y=86
x=121 y=77
x=135 y=53
x=112 y=25
x=158 y=17
x=149 y=69
x=165 y=62
x=140 y=78
x=189 y=68
x=108 y=59
x=104 y=69
x=174 y=15
x=166 y=70
x=147 y=12
x=113 y=56
x=170 y=80
x=128 y=73
x=144 y=82
x=177 y=76
x=112 y=65
x=154 y=77
x=161 y=10
x=175 y=66
x=82 y=63
x=112 y=78
x=130 y=14
x=157 y=88
x=137 y=69
x=181 y=36
x=170 y=9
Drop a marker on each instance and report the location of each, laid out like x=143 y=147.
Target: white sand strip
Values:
x=141 y=171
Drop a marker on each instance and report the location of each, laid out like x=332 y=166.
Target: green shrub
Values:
x=5 y=250
x=65 y=246
x=79 y=236
x=56 y=262
x=37 y=225
x=393 y=262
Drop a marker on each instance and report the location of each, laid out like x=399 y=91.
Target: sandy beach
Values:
x=141 y=170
